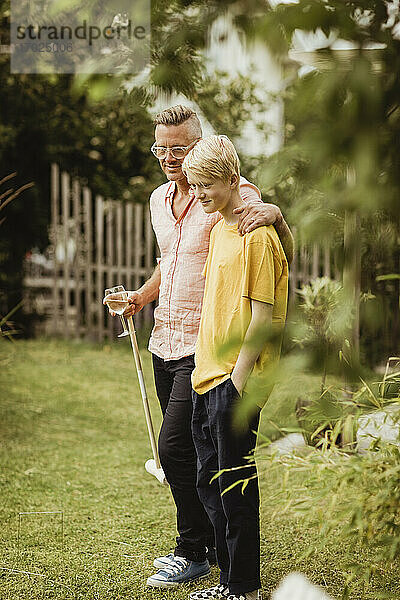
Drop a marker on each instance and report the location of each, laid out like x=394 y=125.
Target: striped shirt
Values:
x=183 y=244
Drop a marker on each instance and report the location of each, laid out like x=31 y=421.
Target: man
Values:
x=182 y=230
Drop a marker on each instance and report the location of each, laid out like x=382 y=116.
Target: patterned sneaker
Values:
x=217 y=592
x=255 y=595
x=164 y=561
x=180 y=570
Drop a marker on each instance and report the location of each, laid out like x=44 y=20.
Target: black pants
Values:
x=235 y=515
x=178 y=456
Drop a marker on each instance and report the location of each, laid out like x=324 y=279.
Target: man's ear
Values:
x=234 y=180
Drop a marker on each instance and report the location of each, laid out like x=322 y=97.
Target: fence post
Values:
x=88 y=236
x=110 y=259
x=352 y=274
x=77 y=275
x=55 y=211
x=138 y=251
x=128 y=247
x=327 y=261
x=149 y=256
x=99 y=266
x=65 y=197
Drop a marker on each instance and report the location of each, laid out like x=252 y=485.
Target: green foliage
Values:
x=352 y=496
x=380 y=315
x=228 y=102
x=323 y=325
x=330 y=419
x=320 y=301
x=7 y=196
x=363 y=496
x=341 y=152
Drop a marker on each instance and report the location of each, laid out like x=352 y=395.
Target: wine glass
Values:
x=117 y=300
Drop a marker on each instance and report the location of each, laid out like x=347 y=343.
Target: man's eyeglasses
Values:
x=177 y=152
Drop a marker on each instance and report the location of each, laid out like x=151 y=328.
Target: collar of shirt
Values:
x=169 y=196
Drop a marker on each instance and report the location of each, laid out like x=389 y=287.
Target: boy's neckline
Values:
x=231 y=227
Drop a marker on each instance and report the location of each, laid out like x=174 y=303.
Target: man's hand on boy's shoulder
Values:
x=256 y=215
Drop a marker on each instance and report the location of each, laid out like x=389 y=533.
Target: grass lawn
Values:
x=73 y=439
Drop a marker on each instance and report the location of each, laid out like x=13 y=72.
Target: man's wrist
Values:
x=148 y=293
x=279 y=217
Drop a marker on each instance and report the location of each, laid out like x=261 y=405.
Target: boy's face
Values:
x=213 y=194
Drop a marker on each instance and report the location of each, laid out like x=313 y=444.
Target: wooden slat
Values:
x=128 y=243
x=315 y=261
x=148 y=259
x=128 y=238
x=137 y=255
x=65 y=198
x=110 y=239
x=120 y=243
x=327 y=261
x=337 y=274
x=149 y=243
x=77 y=274
x=99 y=267
x=110 y=258
x=55 y=210
x=304 y=270
x=88 y=285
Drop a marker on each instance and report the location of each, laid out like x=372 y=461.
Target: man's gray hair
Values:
x=176 y=115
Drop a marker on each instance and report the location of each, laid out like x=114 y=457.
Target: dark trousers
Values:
x=178 y=456
x=235 y=515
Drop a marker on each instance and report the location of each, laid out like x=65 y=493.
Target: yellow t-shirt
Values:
x=238 y=269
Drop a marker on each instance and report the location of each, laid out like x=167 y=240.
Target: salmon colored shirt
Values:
x=183 y=244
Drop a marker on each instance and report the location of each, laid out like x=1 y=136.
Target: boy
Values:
x=245 y=290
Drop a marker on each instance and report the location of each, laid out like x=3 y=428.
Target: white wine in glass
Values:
x=117 y=300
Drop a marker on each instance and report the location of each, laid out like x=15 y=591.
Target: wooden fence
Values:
x=310 y=263
x=96 y=243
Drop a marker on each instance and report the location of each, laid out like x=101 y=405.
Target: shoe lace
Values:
x=178 y=566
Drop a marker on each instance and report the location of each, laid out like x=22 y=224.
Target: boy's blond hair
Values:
x=213 y=157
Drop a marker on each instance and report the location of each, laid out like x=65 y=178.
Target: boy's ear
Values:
x=234 y=180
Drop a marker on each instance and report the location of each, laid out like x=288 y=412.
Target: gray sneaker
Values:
x=164 y=561
x=180 y=570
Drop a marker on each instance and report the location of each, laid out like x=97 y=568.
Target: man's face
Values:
x=213 y=194
x=169 y=136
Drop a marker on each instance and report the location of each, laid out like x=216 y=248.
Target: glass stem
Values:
x=123 y=323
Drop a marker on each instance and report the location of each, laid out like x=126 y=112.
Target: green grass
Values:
x=73 y=439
